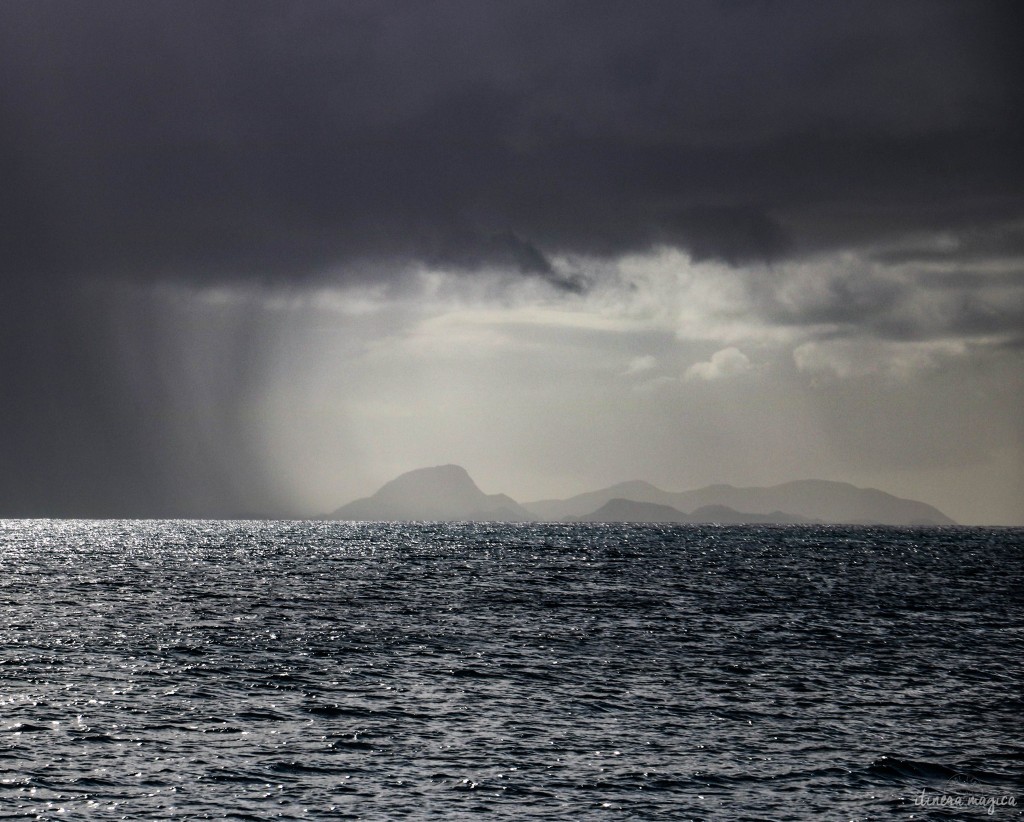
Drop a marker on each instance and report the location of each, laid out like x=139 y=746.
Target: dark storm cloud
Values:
x=981 y=242
x=205 y=142
x=268 y=139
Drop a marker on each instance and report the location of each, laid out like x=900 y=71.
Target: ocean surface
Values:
x=299 y=670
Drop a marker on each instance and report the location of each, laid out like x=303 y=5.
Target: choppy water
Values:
x=378 y=671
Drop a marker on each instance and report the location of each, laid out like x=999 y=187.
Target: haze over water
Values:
x=358 y=670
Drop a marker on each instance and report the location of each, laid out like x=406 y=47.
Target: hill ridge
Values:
x=447 y=492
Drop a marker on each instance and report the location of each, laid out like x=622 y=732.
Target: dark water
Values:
x=332 y=670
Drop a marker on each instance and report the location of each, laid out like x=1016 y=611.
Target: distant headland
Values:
x=448 y=493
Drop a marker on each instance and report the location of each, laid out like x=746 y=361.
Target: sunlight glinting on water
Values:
x=317 y=669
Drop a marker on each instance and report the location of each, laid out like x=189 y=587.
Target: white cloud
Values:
x=867 y=357
x=729 y=362
x=641 y=365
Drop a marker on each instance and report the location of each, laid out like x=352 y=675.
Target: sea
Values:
x=330 y=670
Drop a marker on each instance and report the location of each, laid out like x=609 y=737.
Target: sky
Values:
x=258 y=258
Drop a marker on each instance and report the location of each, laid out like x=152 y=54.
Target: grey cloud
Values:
x=844 y=301
x=255 y=139
x=984 y=241
x=266 y=142
x=870 y=300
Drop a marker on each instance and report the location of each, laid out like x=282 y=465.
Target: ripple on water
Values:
x=380 y=670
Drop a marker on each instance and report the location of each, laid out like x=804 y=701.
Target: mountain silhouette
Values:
x=625 y=510
x=801 y=500
x=724 y=515
x=837 y=502
x=442 y=493
x=448 y=493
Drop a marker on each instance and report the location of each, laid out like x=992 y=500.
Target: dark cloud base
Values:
x=260 y=140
